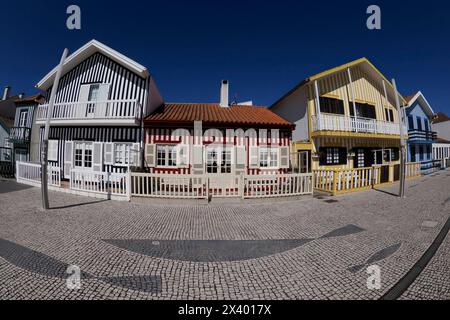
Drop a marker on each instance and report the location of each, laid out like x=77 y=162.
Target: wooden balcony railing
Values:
x=331 y=122
x=422 y=135
x=19 y=135
x=92 y=111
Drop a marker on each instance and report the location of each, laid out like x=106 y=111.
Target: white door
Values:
x=303 y=162
x=219 y=166
x=21 y=155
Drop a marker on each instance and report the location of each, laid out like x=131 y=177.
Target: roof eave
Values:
x=85 y=52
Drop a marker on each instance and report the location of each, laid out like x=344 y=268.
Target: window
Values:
x=389 y=113
x=93 y=96
x=363 y=110
x=419 y=123
x=83 y=155
x=218 y=159
x=166 y=155
x=411 y=123
x=332 y=156
x=7 y=144
x=330 y=105
x=360 y=160
x=122 y=154
x=23 y=119
x=268 y=158
x=427 y=125
x=421 y=152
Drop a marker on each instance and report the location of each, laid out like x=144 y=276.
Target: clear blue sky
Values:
x=263 y=47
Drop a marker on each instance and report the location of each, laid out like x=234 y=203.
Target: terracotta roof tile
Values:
x=214 y=114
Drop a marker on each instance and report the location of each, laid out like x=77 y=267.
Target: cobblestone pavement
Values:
x=434 y=281
x=288 y=249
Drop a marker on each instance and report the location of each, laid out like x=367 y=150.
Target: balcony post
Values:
x=352 y=87
x=318 y=115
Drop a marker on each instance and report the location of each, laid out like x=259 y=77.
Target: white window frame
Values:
x=222 y=167
x=126 y=157
x=23 y=118
x=7 y=143
x=83 y=146
x=166 y=149
x=332 y=155
x=273 y=158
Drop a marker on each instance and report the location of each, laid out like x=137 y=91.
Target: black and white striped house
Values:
x=97 y=118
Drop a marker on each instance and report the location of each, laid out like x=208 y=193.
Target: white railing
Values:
x=354 y=179
x=168 y=186
x=98 y=110
x=223 y=186
x=324 y=180
x=204 y=186
x=106 y=183
x=413 y=169
x=30 y=173
x=331 y=122
x=283 y=185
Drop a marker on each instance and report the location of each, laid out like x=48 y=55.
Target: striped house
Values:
x=217 y=139
x=97 y=119
x=345 y=118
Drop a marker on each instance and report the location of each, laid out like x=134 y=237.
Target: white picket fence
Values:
x=168 y=186
x=283 y=185
x=104 y=183
x=30 y=174
x=204 y=187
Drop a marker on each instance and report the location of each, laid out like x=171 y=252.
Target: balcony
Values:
x=20 y=135
x=341 y=123
x=112 y=112
x=419 y=135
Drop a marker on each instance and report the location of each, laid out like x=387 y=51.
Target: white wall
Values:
x=294 y=108
x=442 y=129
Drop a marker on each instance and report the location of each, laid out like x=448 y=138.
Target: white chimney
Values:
x=224 y=94
x=6 y=92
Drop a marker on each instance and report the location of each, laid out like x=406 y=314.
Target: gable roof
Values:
x=214 y=114
x=85 y=52
x=6 y=123
x=441 y=117
x=8 y=108
x=33 y=99
x=364 y=62
x=419 y=97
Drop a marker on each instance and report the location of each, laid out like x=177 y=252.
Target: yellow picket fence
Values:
x=351 y=180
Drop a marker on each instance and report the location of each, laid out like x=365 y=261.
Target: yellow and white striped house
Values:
x=345 y=119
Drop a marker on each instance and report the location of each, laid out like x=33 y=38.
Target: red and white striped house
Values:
x=217 y=139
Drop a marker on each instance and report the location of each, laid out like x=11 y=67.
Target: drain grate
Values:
x=430 y=224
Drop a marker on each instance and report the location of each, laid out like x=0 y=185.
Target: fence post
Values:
x=17 y=171
x=207 y=188
x=242 y=186
x=335 y=177
x=128 y=184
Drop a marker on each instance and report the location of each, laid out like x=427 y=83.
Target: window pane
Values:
x=330 y=105
x=161 y=155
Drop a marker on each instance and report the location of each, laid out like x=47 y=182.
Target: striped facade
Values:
x=366 y=89
x=125 y=85
x=90 y=134
x=226 y=137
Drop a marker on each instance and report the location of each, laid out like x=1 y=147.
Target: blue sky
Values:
x=263 y=47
